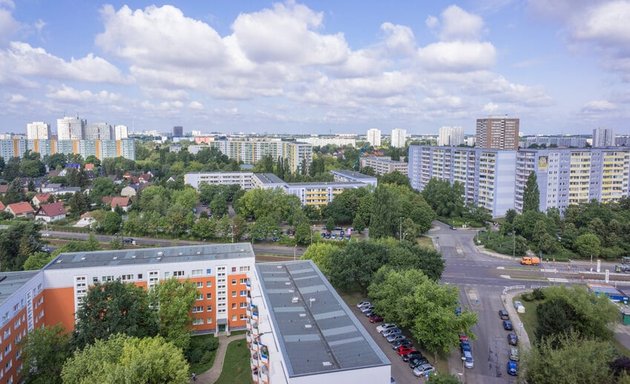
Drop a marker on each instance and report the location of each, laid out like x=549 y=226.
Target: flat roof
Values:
x=179 y=254
x=12 y=281
x=317 y=332
x=269 y=178
x=353 y=174
x=328 y=184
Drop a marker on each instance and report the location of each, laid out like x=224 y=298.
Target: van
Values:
x=530 y=260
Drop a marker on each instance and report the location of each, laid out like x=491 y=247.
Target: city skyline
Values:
x=281 y=67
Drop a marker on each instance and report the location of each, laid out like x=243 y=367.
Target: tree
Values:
x=56 y=161
x=445 y=199
x=588 y=245
x=444 y=378
x=102 y=186
x=569 y=359
x=78 y=203
x=344 y=206
x=555 y=317
x=407 y=255
x=15 y=192
x=531 y=194
x=37 y=260
x=111 y=308
x=175 y=299
x=321 y=254
x=395 y=178
x=130 y=360
x=17 y=243
x=218 y=205
x=44 y=350
x=303 y=233
x=355 y=264
x=330 y=224
x=111 y=223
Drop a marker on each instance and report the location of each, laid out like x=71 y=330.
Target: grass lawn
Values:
x=236 y=368
x=529 y=318
x=426 y=242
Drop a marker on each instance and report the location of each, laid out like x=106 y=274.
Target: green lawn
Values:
x=529 y=318
x=236 y=368
x=426 y=242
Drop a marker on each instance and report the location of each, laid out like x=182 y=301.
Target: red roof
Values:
x=119 y=201
x=4 y=188
x=2 y=206
x=42 y=197
x=89 y=167
x=20 y=208
x=53 y=209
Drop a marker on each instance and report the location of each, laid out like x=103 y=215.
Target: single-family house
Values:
x=86 y=220
x=66 y=190
x=122 y=202
x=89 y=167
x=40 y=198
x=128 y=191
x=51 y=212
x=21 y=209
x=50 y=188
x=2 y=206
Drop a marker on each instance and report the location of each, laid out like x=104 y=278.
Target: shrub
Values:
x=538 y=294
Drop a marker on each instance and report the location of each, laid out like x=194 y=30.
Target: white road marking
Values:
x=505 y=276
x=557 y=280
x=550 y=270
x=500 y=267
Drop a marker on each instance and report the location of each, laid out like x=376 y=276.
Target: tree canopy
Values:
x=44 y=350
x=531 y=194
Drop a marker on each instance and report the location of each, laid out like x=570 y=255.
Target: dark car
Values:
x=375 y=319
x=465 y=346
x=504 y=315
x=128 y=241
x=410 y=355
x=512 y=368
x=512 y=339
x=403 y=342
x=416 y=361
x=507 y=325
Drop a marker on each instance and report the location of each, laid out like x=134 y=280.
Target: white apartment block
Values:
x=374 y=137
x=38 y=130
x=299 y=331
x=488 y=175
x=98 y=131
x=242 y=179
x=399 y=138
x=120 y=132
x=603 y=137
x=70 y=128
x=573 y=176
x=322 y=141
x=451 y=136
x=383 y=165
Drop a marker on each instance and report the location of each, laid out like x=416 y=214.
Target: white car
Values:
x=363 y=304
x=423 y=370
x=384 y=327
x=367 y=309
x=391 y=331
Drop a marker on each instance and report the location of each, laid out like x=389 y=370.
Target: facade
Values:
x=345 y=176
x=498 y=133
x=299 y=155
x=21 y=209
x=299 y=331
x=321 y=193
x=451 y=136
x=52 y=212
x=488 y=176
x=603 y=137
x=178 y=131
x=564 y=141
x=38 y=130
x=399 y=138
x=573 y=176
x=70 y=128
x=383 y=165
x=243 y=179
x=98 y=131
x=321 y=141
x=374 y=137
x=102 y=149
x=120 y=132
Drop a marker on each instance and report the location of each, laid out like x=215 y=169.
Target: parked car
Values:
x=367 y=308
x=364 y=304
x=384 y=327
x=392 y=331
x=415 y=361
x=463 y=337
x=512 y=368
x=423 y=370
x=370 y=313
x=507 y=325
x=392 y=380
x=503 y=315
x=400 y=343
x=375 y=319
x=514 y=354
x=392 y=338
x=467 y=357
x=512 y=339
x=402 y=350
x=465 y=346
x=410 y=355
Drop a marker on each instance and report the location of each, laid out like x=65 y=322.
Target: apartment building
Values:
x=319 y=194
x=322 y=141
x=299 y=331
x=243 y=179
x=450 y=136
x=563 y=141
x=38 y=130
x=487 y=175
x=102 y=149
x=383 y=165
x=603 y=137
x=71 y=128
x=498 y=133
x=374 y=137
x=346 y=176
x=398 y=138
x=573 y=176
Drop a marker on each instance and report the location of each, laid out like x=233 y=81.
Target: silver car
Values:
x=384 y=327
x=423 y=370
x=393 y=338
x=392 y=331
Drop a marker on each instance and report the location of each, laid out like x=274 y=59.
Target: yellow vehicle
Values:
x=530 y=260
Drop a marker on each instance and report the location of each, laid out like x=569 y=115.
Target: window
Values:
x=200 y=296
x=197 y=309
x=209 y=271
x=208 y=283
x=243 y=305
x=233 y=305
x=244 y=269
x=178 y=273
x=242 y=281
x=95 y=279
x=139 y=276
x=234 y=318
x=221 y=311
x=208 y=296
x=243 y=316
x=127 y=277
x=107 y=278
x=197 y=272
x=233 y=281
x=209 y=320
x=233 y=269
x=209 y=308
x=197 y=321
x=233 y=293
x=199 y=284
x=243 y=293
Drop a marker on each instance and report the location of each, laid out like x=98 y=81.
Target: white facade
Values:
x=603 y=137
x=383 y=165
x=321 y=141
x=243 y=179
x=374 y=137
x=399 y=137
x=70 y=128
x=451 y=136
x=120 y=132
x=38 y=130
x=98 y=131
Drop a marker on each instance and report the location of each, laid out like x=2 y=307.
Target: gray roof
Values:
x=316 y=330
x=323 y=184
x=269 y=178
x=12 y=281
x=180 y=254
x=352 y=174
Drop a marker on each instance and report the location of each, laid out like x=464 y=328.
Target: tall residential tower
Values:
x=497 y=133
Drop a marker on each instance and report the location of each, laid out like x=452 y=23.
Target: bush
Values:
x=527 y=297
x=503 y=244
x=538 y=294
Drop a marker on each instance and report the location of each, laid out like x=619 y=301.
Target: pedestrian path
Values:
x=212 y=375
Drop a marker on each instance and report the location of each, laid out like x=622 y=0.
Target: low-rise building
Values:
x=320 y=194
x=383 y=165
x=243 y=179
x=51 y=212
x=345 y=176
x=40 y=198
x=21 y=209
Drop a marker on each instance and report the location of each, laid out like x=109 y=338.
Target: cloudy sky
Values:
x=317 y=66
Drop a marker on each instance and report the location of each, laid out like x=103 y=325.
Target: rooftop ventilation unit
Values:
x=295 y=299
x=160 y=253
x=326 y=363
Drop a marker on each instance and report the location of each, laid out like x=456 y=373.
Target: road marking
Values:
x=557 y=280
x=505 y=276
x=551 y=270
x=500 y=267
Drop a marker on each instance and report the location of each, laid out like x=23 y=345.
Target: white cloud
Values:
x=17 y=99
x=399 y=39
x=8 y=25
x=68 y=94
x=598 y=106
x=195 y=105
x=457 y=56
x=490 y=108
x=457 y=24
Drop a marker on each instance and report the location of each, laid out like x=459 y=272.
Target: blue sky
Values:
x=317 y=66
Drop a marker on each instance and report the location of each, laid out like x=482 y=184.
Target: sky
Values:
x=323 y=67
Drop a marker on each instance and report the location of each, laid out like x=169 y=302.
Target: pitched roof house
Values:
x=21 y=209
x=40 y=198
x=51 y=212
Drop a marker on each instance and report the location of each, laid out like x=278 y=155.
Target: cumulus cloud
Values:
x=8 y=25
x=457 y=24
x=457 y=56
x=67 y=94
x=598 y=106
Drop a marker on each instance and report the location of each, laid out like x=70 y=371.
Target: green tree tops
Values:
x=44 y=350
x=175 y=299
x=531 y=194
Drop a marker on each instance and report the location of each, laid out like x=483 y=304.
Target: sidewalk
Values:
x=523 y=337
x=212 y=374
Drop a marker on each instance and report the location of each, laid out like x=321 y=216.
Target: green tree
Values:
x=175 y=299
x=56 y=161
x=111 y=308
x=219 y=205
x=37 y=260
x=15 y=192
x=111 y=223
x=569 y=359
x=395 y=178
x=355 y=264
x=444 y=378
x=358 y=223
x=17 y=243
x=407 y=255
x=44 y=350
x=303 y=234
x=204 y=229
x=321 y=254
x=531 y=194
x=445 y=199
x=344 y=206
x=555 y=317
x=330 y=224
x=588 y=245
x=102 y=186
x=130 y=360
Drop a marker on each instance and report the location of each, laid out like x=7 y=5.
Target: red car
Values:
x=463 y=338
x=405 y=350
x=375 y=319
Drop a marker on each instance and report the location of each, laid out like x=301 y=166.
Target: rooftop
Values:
x=316 y=330
x=352 y=174
x=317 y=184
x=269 y=178
x=12 y=281
x=180 y=254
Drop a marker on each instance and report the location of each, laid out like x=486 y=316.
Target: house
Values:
x=145 y=178
x=89 y=167
x=51 y=212
x=50 y=188
x=128 y=192
x=21 y=209
x=86 y=220
x=117 y=201
x=2 y=206
x=66 y=190
x=40 y=198
x=4 y=188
